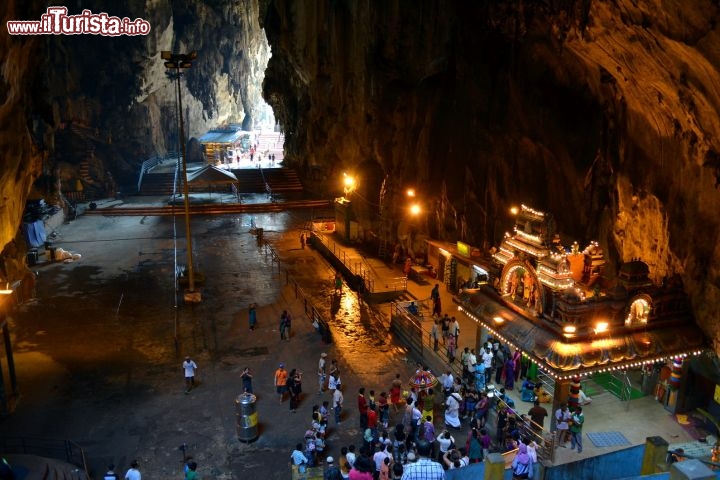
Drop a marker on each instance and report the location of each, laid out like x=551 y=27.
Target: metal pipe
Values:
x=188 y=234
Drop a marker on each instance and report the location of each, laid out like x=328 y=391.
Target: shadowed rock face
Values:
x=107 y=102
x=604 y=113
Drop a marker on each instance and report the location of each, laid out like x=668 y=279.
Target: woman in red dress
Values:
x=395 y=391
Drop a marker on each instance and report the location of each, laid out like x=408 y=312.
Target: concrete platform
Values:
x=98 y=352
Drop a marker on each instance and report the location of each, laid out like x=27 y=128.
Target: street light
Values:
x=349 y=183
x=175 y=62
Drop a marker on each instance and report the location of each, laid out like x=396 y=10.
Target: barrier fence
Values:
x=311 y=311
x=64 y=450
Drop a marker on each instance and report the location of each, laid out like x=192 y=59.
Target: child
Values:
x=385 y=469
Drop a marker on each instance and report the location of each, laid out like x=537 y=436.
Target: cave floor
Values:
x=98 y=351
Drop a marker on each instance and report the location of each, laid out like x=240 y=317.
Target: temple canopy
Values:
x=564 y=357
x=211 y=175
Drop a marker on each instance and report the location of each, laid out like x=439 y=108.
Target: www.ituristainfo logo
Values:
x=56 y=21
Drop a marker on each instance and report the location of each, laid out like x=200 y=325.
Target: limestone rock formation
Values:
x=604 y=113
x=84 y=111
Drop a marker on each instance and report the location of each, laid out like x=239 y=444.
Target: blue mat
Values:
x=608 y=439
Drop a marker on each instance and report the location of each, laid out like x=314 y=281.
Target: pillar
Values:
x=690 y=470
x=656 y=449
x=3 y=396
x=494 y=467
x=10 y=359
x=574 y=393
x=479 y=330
x=560 y=395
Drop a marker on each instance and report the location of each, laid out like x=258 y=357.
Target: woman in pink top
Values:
x=362 y=469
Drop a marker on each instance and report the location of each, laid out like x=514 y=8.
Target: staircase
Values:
x=283 y=180
x=271 y=143
x=250 y=180
x=158 y=184
x=86 y=134
x=85 y=172
x=280 y=180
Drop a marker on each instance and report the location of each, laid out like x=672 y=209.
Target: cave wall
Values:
x=107 y=102
x=603 y=113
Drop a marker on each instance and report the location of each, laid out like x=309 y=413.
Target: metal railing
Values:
x=309 y=308
x=64 y=450
x=398 y=284
x=359 y=268
x=546 y=381
x=626 y=390
x=420 y=341
x=151 y=163
x=418 y=337
x=546 y=441
x=621 y=387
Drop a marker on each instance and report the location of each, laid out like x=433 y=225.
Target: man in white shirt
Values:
x=487 y=358
x=350 y=457
x=424 y=468
x=297 y=456
x=321 y=373
x=189 y=366
x=416 y=420
x=133 y=473
x=470 y=360
x=379 y=458
x=454 y=329
x=447 y=383
x=337 y=403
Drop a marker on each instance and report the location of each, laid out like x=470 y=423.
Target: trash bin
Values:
x=247 y=420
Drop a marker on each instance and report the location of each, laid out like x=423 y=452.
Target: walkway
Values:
x=641 y=418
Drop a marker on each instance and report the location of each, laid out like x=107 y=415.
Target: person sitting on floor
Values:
x=542 y=395
x=583 y=399
x=412 y=308
x=527 y=392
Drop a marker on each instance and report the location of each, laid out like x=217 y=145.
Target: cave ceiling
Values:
x=604 y=113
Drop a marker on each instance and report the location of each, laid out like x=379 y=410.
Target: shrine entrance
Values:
x=519 y=284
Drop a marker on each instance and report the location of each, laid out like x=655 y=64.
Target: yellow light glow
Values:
x=348 y=180
x=498 y=319
x=569 y=329
x=6 y=292
x=601 y=327
x=606 y=344
x=415 y=209
x=410 y=192
x=514 y=210
x=567 y=349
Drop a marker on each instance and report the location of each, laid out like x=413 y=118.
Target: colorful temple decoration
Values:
x=675 y=373
x=423 y=379
x=574 y=397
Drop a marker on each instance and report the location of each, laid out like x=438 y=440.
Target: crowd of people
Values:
x=400 y=427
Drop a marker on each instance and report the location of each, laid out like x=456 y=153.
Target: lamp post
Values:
x=348 y=184
x=175 y=62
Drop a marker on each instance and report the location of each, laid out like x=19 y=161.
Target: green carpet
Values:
x=612 y=385
x=591 y=388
